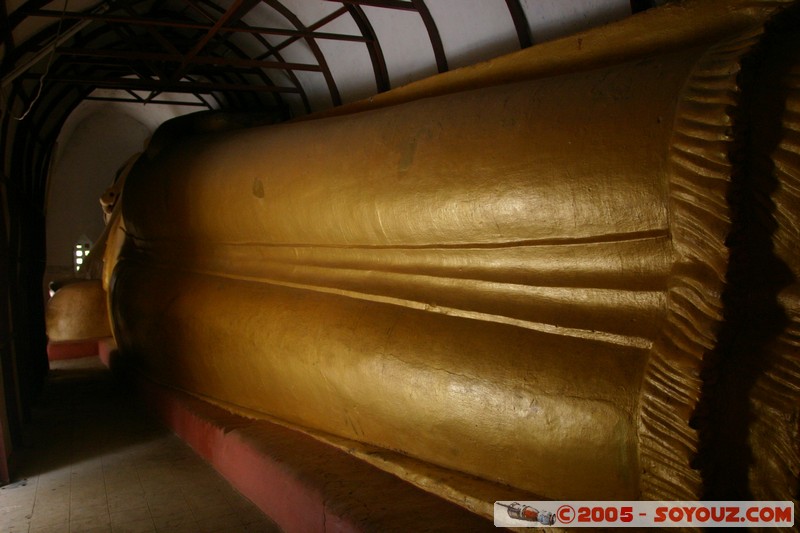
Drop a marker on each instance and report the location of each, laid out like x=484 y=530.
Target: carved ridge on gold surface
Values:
x=668 y=289
x=632 y=341
x=624 y=264
x=525 y=286
x=699 y=176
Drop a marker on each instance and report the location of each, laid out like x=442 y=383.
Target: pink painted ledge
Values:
x=302 y=484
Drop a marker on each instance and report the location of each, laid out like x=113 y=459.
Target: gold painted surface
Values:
x=397 y=378
x=520 y=282
x=114 y=240
x=77 y=311
x=111 y=196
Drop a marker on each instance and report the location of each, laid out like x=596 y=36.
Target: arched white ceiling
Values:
x=317 y=53
x=104 y=59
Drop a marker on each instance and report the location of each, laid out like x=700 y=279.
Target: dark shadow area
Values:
x=753 y=316
x=84 y=413
x=98 y=461
x=637 y=6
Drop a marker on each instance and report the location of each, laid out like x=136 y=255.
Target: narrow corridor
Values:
x=95 y=461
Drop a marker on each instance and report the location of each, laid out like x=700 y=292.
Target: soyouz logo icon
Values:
x=643 y=514
x=530 y=514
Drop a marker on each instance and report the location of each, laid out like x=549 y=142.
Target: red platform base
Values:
x=71 y=349
x=86 y=348
x=302 y=484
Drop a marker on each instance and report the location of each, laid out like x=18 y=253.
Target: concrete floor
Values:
x=96 y=462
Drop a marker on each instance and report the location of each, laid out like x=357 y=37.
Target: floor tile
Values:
x=133 y=526
x=49 y=516
x=97 y=463
x=50 y=528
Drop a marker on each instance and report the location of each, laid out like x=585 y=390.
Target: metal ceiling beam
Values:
x=140 y=100
x=101 y=64
x=388 y=4
x=171 y=86
x=5 y=27
x=520 y=23
x=175 y=58
x=21 y=13
x=292 y=33
x=142 y=21
x=433 y=34
x=289 y=15
x=266 y=44
x=414 y=5
x=166 y=43
x=203 y=99
x=237 y=10
x=194 y=5
x=309 y=33
x=39 y=52
x=373 y=47
x=289 y=73
x=83 y=69
x=128 y=36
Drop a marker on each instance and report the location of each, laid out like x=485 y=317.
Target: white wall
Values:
x=90 y=157
x=95 y=141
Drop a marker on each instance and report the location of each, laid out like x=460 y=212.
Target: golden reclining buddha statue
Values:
x=570 y=271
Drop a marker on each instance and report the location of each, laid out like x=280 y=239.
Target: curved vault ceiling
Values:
x=308 y=54
x=298 y=56
x=290 y=56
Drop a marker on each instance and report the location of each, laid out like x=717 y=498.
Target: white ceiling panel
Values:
x=550 y=19
x=405 y=44
x=474 y=30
